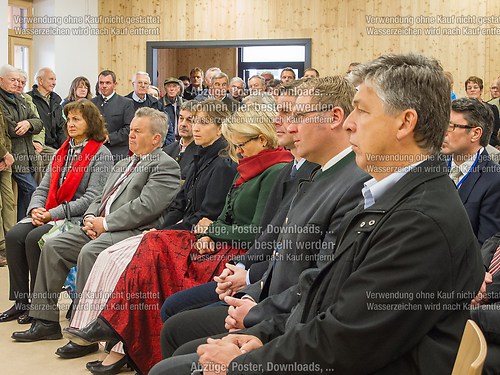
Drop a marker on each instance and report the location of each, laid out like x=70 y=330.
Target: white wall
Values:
x=68 y=55
x=4 y=40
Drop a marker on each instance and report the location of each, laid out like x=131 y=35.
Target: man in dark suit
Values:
x=309 y=228
x=183 y=150
x=486 y=311
x=389 y=302
x=118 y=112
x=141 y=98
x=476 y=176
x=140 y=187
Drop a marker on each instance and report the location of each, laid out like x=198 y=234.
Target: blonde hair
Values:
x=250 y=121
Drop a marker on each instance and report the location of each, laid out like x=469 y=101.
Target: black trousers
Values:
x=23 y=254
x=181 y=329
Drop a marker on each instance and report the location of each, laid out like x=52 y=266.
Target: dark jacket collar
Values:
x=52 y=96
x=428 y=170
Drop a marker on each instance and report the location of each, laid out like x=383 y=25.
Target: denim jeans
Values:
x=26 y=186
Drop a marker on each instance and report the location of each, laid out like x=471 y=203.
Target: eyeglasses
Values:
x=452 y=126
x=239 y=146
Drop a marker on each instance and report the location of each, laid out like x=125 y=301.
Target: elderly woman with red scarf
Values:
x=76 y=175
x=168 y=261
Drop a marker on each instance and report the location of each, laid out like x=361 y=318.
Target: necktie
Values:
x=293 y=172
x=495 y=262
x=104 y=102
x=117 y=184
x=456 y=175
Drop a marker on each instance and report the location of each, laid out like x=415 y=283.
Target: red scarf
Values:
x=65 y=192
x=252 y=166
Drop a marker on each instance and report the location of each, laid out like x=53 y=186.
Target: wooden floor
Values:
x=37 y=357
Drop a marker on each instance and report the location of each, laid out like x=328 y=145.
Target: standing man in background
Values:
x=118 y=112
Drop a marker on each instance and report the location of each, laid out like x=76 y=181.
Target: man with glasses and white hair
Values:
x=475 y=175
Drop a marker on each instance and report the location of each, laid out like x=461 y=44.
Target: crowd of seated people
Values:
x=223 y=225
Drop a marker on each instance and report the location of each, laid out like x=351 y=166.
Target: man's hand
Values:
x=216 y=355
x=22 y=127
x=230 y=281
x=201 y=227
x=40 y=216
x=94 y=226
x=205 y=245
x=238 y=309
x=38 y=147
x=482 y=297
x=8 y=159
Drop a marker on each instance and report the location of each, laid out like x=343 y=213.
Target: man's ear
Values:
x=337 y=115
x=408 y=123
x=476 y=134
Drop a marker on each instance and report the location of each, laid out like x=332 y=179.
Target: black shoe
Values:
x=11 y=314
x=72 y=350
x=39 y=330
x=89 y=365
x=115 y=368
x=92 y=333
x=25 y=318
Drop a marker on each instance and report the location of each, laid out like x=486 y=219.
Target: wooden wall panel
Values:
x=177 y=62
x=338 y=30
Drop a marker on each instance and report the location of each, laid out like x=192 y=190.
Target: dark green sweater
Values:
x=239 y=222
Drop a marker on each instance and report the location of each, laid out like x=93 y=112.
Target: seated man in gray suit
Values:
x=118 y=111
x=139 y=189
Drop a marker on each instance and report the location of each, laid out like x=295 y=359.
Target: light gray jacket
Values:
x=91 y=186
x=143 y=195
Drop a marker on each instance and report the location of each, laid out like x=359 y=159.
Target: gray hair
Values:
x=237 y=79
x=411 y=82
x=262 y=79
x=158 y=121
x=219 y=75
x=23 y=73
x=142 y=74
x=210 y=71
x=41 y=73
x=7 y=69
x=476 y=114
